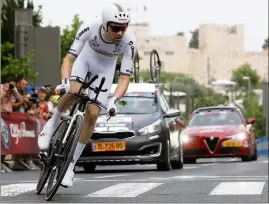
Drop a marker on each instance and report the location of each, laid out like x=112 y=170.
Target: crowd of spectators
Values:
x=18 y=96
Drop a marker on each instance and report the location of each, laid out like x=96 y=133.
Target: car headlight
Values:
x=239 y=136
x=185 y=138
x=151 y=129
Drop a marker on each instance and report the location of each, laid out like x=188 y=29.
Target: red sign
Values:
x=19 y=133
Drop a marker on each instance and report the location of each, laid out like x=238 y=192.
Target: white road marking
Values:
x=173 y=178
x=16 y=189
x=190 y=167
x=125 y=190
x=265 y=161
x=238 y=188
x=112 y=176
x=209 y=177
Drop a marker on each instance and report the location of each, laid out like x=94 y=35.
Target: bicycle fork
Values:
x=78 y=112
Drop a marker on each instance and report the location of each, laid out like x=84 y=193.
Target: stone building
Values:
x=221 y=49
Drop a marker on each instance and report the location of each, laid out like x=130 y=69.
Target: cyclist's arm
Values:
x=75 y=49
x=127 y=64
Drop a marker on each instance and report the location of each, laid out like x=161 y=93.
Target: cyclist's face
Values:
x=117 y=31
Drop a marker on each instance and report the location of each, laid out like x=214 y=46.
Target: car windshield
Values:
x=215 y=117
x=136 y=105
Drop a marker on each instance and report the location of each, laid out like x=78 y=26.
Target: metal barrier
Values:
x=262 y=146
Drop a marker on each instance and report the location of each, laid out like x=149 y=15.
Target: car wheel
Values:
x=89 y=168
x=164 y=163
x=189 y=160
x=255 y=155
x=178 y=164
x=248 y=157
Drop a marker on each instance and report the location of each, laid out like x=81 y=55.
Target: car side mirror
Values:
x=171 y=113
x=251 y=120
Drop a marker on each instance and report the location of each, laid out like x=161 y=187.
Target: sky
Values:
x=170 y=16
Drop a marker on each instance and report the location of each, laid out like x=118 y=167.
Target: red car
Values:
x=218 y=132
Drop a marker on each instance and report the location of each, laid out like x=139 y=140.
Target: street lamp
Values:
x=248 y=79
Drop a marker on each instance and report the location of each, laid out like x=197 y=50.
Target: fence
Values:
x=262 y=146
x=19 y=132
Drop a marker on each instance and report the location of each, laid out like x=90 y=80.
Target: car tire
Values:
x=164 y=163
x=89 y=168
x=189 y=160
x=255 y=155
x=178 y=164
x=248 y=157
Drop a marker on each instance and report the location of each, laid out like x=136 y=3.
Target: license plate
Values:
x=232 y=144
x=108 y=146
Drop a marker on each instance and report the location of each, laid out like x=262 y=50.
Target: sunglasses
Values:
x=118 y=28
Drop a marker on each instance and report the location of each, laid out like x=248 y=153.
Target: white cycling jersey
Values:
x=99 y=57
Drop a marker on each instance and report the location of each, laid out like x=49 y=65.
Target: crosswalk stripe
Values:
x=112 y=176
x=238 y=188
x=124 y=190
x=16 y=189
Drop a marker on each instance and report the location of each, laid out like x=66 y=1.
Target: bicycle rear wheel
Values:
x=136 y=68
x=155 y=66
x=48 y=163
x=65 y=155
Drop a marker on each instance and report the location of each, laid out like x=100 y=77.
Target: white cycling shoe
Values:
x=45 y=135
x=68 y=178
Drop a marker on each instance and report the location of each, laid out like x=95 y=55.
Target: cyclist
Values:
x=95 y=49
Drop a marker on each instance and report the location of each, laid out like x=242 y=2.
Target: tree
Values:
x=246 y=70
x=194 y=42
x=69 y=34
x=8 y=21
x=209 y=98
x=17 y=67
x=265 y=44
x=253 y=110
x=197 y=95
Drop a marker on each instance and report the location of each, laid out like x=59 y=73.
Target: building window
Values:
x=169 y=52
x=147 y=41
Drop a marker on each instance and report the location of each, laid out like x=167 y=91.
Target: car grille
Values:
x=212 y=144
x=118 y=135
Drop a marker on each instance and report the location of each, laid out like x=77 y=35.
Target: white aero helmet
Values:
x=115 y=13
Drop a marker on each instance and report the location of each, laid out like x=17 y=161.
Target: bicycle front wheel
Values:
x=65 y=155
x=48 y=164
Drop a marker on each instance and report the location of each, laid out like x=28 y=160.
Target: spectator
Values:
x=24 y=104
x=9 y=90
x=33 y=110
x=53 y=100
x=42 y=103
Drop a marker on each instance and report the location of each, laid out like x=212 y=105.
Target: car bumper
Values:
x=202 y=150
x=139 y=149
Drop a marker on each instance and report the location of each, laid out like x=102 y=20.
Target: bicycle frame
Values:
x=80 y=104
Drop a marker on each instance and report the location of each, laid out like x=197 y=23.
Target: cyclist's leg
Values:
x=91 y=115
x=79 y=69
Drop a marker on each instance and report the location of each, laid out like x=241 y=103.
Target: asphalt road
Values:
x=208 y=181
